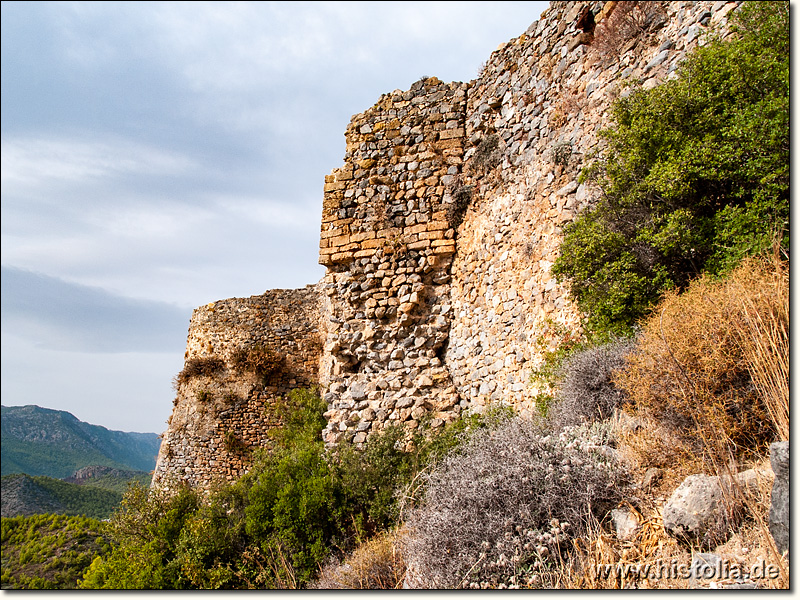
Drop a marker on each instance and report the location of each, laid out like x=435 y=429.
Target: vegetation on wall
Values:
x=695 y=176
x=261 y=360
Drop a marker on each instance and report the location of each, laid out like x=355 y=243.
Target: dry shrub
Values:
x=586 y=392
x=503 y=511
x=375 y=565
x=698 y=357
x=487 y=155
x=197 y=367
x=261 y=360
x=629 y=21
x=569 y=106
x=762 y=327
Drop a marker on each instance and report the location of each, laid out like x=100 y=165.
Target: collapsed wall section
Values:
x=387 y=241
x=242 y=356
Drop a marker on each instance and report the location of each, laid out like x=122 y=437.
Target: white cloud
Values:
x=42 y=162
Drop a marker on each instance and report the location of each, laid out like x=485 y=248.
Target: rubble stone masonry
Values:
x=438 y=234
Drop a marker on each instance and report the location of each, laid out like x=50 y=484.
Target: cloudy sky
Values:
x=159 y=156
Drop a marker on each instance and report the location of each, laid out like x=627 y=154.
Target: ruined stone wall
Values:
x=221 y=417
x=438 y=234
x=533 y=118
x=387 y=241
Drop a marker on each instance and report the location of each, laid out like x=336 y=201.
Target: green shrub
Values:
x=146 y=531
x=695 y=176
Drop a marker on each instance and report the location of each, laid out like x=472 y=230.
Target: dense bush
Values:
x=146 y=532
x=695 y=176
x=586 y=392
x=502 y=511
x=693 y=368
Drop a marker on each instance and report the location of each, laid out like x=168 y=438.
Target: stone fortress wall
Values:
x=220 y=417
x=438 y=234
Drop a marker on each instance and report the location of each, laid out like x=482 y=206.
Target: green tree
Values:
x=146 y=531
x=695 y=175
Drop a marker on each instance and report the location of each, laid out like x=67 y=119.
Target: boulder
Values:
x=695 y=513
x=779 y=503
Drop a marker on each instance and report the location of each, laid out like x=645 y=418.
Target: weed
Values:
x=561 y=153
x=234 y=444
x=629 y=21
x=199 y=367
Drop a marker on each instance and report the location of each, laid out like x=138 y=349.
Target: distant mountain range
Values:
x=54 y=443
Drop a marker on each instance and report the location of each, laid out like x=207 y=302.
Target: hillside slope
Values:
x=25 y=495
x=42 y=441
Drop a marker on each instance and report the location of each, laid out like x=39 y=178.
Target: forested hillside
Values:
x=54 y=443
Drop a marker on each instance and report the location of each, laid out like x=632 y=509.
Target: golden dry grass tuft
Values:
x=711 y=370
x=377 y=564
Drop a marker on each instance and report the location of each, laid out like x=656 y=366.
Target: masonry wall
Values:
x=544 y=97
x=387 y=241
x=438 y=234
x=219 y=419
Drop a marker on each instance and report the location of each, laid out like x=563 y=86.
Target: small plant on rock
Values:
x=234 y=444
x=207 y=366
x=487 y=154
x=263 y=361
x=462 y=196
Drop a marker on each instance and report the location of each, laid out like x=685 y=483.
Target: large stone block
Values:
x=779 y=502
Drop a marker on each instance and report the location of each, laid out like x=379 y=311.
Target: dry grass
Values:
x=750 y=544
x=762 y=328
x=198 y=367
x=375 y=565
x=261 y=360
x=711 y=367
x=629 y=21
